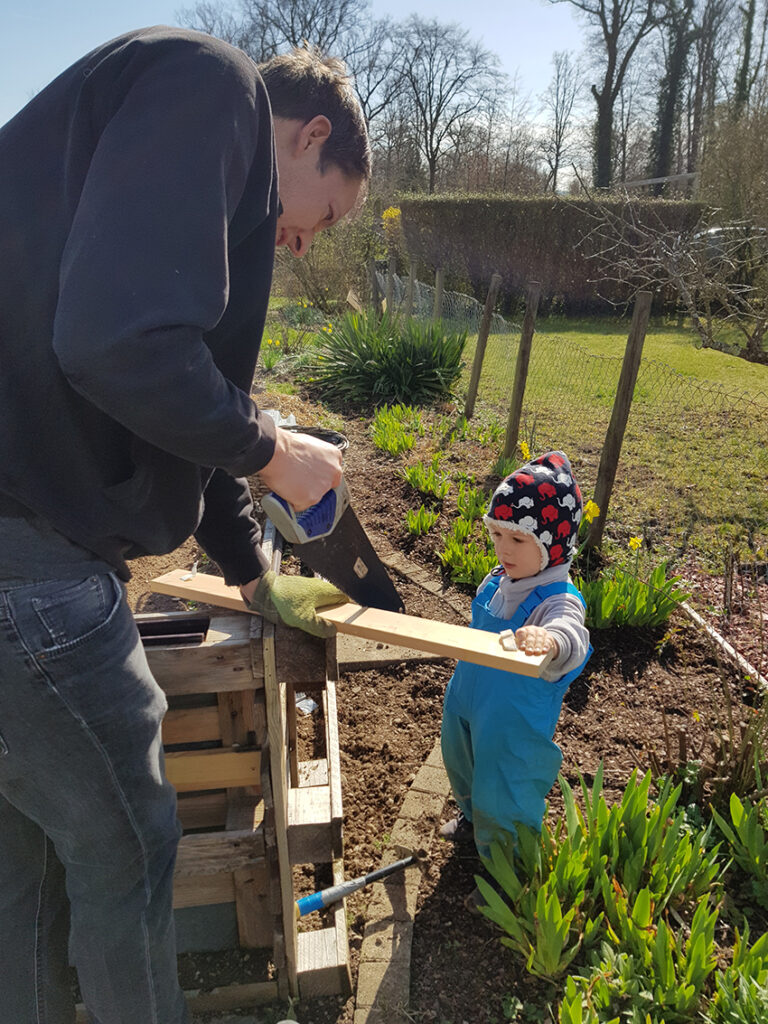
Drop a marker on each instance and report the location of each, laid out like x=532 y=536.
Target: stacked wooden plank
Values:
x=251 y=810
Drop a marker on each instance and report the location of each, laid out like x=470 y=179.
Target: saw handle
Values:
x=313 y=523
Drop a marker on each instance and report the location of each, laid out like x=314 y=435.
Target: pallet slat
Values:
x=475 y=645
x=212 y=769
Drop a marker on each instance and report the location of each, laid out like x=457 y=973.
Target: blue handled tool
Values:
x=326 y=897
x=315 y=522
x=329 y=539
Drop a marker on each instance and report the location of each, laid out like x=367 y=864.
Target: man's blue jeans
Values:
x=88 y=829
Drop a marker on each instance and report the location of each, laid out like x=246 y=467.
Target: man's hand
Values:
x=302 y=469
x=294 y=599
x=535 y=640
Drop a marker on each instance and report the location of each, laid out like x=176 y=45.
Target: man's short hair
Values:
x=304 y=83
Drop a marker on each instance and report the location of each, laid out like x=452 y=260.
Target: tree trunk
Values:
x=603 y=139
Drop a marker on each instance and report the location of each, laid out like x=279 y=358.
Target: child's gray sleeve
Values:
x=563 y=616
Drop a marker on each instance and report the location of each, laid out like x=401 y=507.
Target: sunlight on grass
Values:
x=695 y=456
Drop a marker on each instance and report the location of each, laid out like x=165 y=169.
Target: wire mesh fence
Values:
x=458 y=311
x=695 y=451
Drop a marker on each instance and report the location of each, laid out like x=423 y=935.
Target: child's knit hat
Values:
x=542 y=499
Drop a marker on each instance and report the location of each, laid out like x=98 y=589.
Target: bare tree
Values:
x=558 y=102
x=631 y=131
x=372 y=55
x=280 y=24
x=446 y=76
x=680 y=34
x=719 y=274
x=621 y=25
x=264 y=28
x=711 y=22
x=218 y=20
x=749 y=66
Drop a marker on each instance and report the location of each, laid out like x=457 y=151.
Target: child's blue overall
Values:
x=498 y=727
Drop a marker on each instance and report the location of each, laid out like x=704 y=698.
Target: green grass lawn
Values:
x=692 y=476
x=677 y=346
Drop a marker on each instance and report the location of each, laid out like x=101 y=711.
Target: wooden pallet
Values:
x=250 y=809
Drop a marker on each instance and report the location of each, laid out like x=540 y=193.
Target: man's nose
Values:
x=301 y=242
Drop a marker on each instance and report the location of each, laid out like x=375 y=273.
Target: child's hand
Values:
x=535 y=640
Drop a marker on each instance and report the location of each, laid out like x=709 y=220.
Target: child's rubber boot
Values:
x=458 y=830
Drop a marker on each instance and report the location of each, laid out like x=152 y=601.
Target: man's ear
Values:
x=314 y=133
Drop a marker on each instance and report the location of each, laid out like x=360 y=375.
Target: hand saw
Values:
x=329 y=539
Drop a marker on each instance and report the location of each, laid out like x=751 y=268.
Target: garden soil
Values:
x=643 y=692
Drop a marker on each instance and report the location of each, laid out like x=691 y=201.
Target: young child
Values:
x=498 y=726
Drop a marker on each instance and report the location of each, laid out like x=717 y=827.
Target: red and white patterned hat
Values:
x=542 y=499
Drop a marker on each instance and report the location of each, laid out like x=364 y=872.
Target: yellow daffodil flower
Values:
x=591 y=511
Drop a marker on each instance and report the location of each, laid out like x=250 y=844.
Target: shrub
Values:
x=368 y=360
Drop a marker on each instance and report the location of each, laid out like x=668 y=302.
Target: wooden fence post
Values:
x=390 y=294
x=609 y=459
x=482 y=339
x=437 y=312
x=521 y=369
x=409 y=295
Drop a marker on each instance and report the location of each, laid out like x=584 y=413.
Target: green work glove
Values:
x=295 y=600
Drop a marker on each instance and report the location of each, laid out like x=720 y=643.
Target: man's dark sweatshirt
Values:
x=138 y=212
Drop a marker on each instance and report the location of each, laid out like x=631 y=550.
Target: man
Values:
x=141 y=198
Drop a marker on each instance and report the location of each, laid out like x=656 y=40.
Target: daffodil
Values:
x=591 y=511
x=635 y=542
x=525 y=451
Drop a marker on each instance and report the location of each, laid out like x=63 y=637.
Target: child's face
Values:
x=518 y=553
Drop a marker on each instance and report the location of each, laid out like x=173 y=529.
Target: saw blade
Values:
x=347 y=559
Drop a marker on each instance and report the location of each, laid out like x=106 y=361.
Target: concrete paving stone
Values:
x=382 y=985
x=435 y=759
x=387 y=940
x=431 y=780
x=413 y=835
x=375 y=1015
x=391 y=901
x=422 y=806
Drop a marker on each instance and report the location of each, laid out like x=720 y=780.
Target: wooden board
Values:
x=460 y=642
x=213 y=769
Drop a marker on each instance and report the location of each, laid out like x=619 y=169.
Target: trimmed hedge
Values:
x=526 y=239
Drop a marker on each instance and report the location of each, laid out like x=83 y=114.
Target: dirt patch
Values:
x=389 y=720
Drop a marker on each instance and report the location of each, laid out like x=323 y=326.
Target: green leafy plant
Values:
x=472 y=502
x=395 y=428
x=741 y=990
x=504 y=465
x=303 y=313
x=620 y=598
x=572 y=887
x=467 y=560
x=428 y=480
x=369 y=360
x=647 y=973
x=271 y=353
x=749 y=842
x=420 y=521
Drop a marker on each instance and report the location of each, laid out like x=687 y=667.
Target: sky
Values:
x=40 y=38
